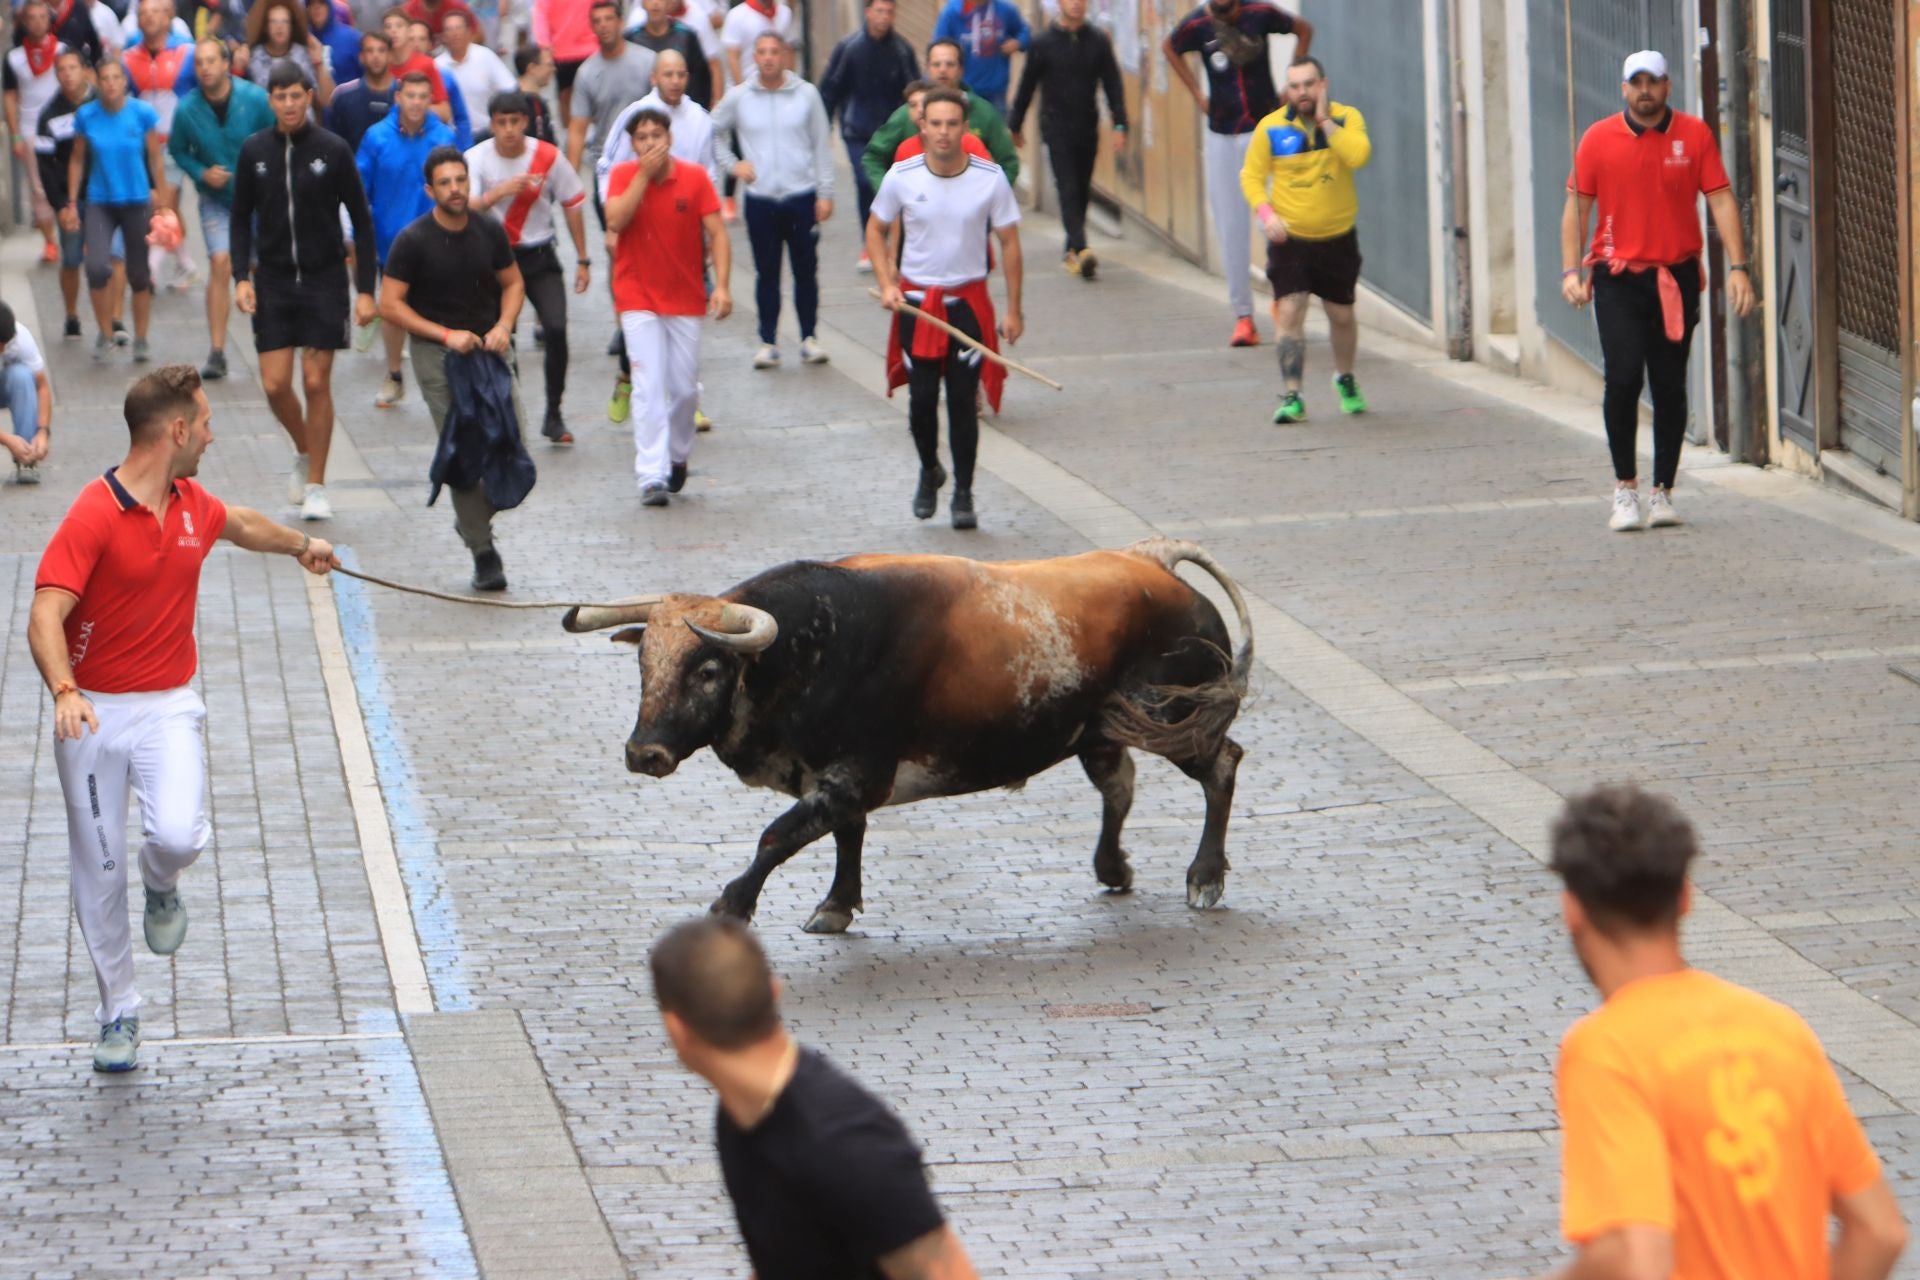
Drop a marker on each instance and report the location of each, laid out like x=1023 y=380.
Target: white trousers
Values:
x=1232 y=219
x=149 y=744
x=665 y=354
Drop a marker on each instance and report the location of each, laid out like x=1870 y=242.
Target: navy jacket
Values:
x=864 y=80
x=480 y=442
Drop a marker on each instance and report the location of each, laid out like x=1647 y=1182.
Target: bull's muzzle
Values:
x=652 y=759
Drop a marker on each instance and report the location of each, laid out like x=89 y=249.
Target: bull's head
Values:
x=692 y=652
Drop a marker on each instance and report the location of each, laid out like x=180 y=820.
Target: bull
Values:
x=884 y=679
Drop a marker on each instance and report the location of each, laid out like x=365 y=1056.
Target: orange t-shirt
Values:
x=1692 y=1104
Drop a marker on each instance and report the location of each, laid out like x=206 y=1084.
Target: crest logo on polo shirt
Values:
x=318 y=166
x=1679 y=147
x=186 y=518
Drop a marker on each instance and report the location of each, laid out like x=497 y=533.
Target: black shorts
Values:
x=316 y=312
x=1327 y=269
x=564 y=72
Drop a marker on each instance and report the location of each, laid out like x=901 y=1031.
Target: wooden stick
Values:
x=973 y=342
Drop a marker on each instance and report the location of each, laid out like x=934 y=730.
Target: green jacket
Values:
x=200 y=140
x=982 y=120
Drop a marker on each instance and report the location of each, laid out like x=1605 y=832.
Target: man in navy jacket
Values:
x=864 y=81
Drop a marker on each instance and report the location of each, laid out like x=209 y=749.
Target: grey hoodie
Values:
x=783 y=133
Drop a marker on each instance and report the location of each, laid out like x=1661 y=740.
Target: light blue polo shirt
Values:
x=117 y=150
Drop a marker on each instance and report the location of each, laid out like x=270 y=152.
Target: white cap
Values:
x=1650 y=61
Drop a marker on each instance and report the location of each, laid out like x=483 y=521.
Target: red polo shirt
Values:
x=135 y=581
x=1645 y=185
x=659 y=261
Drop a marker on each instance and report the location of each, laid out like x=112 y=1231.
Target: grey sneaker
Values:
x=101 y=345
x=118 y=1048
x=140 y=353
x=165 y=921
x=654 y=495
x=216 y=366
x=25 y=475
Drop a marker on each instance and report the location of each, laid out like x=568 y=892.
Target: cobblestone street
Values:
x=1346 y=1070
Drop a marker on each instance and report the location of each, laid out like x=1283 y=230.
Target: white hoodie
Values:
x=783 y=133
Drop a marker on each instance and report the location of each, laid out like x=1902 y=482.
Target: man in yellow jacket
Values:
x=1298 y=176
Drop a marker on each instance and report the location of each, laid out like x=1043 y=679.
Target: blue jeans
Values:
x=771 y=226
x=23 y=402
x=863 y=190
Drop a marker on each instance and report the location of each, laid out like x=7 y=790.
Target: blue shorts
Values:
x=216 y=222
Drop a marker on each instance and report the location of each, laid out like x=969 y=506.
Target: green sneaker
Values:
x=1292 y=408
x=119 y=1045
x=1351 y=401
x=620 y=402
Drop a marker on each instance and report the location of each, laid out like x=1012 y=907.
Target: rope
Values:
x=491 y=604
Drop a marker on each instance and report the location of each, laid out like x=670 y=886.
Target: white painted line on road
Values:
x=405 y=966
x=1874 y=1042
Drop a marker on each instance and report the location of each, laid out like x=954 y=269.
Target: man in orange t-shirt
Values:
x=1704 y=1135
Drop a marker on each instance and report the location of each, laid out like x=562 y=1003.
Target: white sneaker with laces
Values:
x=1626 y=510
x=314 y=506
x=811 y=352
x=1660 y=512
x=767 y=357
x=297 y=479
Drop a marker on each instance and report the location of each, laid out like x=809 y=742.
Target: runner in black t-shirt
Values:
x=1231 y=39
x=826 y=1183
x=451 y=282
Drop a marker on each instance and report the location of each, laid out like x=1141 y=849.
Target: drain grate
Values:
x=1128 y=1010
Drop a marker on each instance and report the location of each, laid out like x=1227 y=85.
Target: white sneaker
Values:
x=1626 y=511
x=297 y=479
x=811 y=352
x=314 y=506
x=767 y=357
x=1660 y=512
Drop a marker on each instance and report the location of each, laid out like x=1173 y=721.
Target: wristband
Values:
x=445 y=334
x=1740 y=266
x=306 y=540
x=65 y=687
x=1265 y=211
x=585 y=262
x=1570 y=271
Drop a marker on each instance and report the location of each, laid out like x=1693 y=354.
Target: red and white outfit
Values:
x=528 y=217
x=29 y=74
x=746 y=23
x=660 y=292
x=136 y=580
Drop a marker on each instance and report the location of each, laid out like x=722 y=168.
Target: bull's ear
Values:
x=628 y=635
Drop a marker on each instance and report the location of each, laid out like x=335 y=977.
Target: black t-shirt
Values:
x=219 y=108
x=1239 y=78
x=828 y=1183
x=450 y=275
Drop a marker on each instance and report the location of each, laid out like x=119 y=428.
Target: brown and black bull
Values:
x=883 y=679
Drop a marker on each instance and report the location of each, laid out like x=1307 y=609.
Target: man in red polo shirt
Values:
x=112 y=632
x=665 y=217
x=1644 y=169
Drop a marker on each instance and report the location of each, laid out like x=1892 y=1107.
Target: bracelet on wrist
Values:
x=65 y=687
x=585 y=262
x=306 y=540
x=1570 y=271
x=1740 y=266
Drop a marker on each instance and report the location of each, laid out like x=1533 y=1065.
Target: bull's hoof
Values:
x=829 y=919
x=1204 y=897
x=721 y=907
x=1115 y=877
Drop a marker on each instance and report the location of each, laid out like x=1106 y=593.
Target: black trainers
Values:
x=677 y=478
x=654 y=495
x=963 y=517
x=555 y=428
x=488 y=573
x=216 y=366
x=73 y=327
x=926 y=498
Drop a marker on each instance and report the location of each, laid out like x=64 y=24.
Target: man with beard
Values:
x=453 y=284
x=111 y=630
x=358 y=105
x=1298 y=176
x=1703 y=1132
x=1231 y=39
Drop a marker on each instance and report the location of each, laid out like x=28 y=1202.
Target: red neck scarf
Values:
x=40 y=53
x=765 y=10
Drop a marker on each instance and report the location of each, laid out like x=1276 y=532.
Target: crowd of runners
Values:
x=402 y=179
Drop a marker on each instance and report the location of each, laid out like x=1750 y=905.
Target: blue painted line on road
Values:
x=412 y=1149
x=436 y=922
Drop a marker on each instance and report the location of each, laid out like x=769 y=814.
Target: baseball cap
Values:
x=1650 y=61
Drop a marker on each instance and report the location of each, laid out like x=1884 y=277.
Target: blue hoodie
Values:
x=981 y=32
x=393 y=169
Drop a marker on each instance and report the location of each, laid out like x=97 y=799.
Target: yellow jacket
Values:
x=1310 y=183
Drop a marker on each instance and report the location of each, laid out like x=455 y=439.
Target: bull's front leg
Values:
x=832 y=804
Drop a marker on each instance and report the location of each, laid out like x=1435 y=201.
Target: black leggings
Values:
x=959 y=369
x=1072 y=160
x=546 y=285
x=1634 y=347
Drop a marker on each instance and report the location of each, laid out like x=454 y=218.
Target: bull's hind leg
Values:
x=1111 y=768
x=1207 y=876
x=835 y=911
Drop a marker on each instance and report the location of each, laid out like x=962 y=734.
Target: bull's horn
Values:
x=598 y=617
x=743 y=629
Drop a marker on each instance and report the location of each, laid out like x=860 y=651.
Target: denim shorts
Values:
x=215 y=224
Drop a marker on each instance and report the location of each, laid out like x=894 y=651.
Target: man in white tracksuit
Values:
x=111 y=630
x=786 y=160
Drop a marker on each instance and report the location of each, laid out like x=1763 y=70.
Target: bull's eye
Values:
x=710 y=670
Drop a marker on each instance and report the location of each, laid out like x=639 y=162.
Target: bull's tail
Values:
x=1168 y=552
